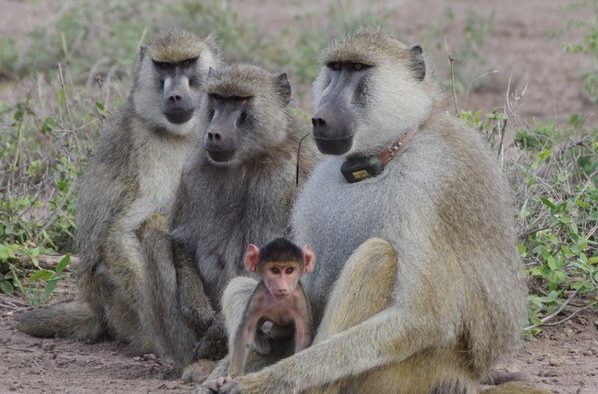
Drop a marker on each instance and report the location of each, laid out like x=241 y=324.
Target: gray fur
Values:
x=444 y=208
x=133 y=172
x=222 y=207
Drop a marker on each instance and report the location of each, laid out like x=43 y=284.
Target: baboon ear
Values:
x=212 y=43
x=309 y=258
x=284 y=88
x=252 y=257
x=211 y=73
x=418 y=64
x=142 y=50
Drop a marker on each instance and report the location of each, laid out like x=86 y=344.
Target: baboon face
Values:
x=176 y=81
x=245 y=113
x=370 y=88
x=334 y=123
x=168 y=81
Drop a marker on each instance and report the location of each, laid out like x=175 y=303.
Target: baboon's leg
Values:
x=364 y=289
x=126 y=265
x=171 y=336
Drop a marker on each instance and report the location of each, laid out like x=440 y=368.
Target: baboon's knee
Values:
x=376 y=253
x=372 y=269
x=363 y=289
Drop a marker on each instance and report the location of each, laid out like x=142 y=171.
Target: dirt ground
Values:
x=526 y=47
x=563 y=359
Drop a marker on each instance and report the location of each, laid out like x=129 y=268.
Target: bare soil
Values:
x=525 y=48
x=563 y=359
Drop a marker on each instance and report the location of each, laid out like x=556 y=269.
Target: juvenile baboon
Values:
x=134 y=170
x=278 y=298
x=418 y=286
x=237 y=188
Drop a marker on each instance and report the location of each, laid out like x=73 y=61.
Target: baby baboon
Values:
x=278 y=298
x=238 y=188
x=434 y=302
x=134 y=171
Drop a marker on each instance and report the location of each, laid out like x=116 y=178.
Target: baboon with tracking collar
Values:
x=418 y=288
x=134 y=171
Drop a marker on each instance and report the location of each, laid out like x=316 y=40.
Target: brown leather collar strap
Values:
x=397 y=147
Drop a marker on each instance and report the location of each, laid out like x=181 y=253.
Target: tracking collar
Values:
x=357 y=168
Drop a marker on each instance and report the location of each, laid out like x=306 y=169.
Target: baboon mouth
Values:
x=179 y=116
x=221 y=156
x=337 y=146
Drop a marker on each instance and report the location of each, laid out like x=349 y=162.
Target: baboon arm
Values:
x=302 y=333
x=383 y=339
x=194 y=303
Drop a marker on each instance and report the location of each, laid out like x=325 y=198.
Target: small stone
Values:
x=48 y=346
x=587 y=353
x=149 y=356
x=137 y=358
x=554 y=363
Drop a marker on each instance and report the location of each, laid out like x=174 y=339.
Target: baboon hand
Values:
x=217 y=385
x=229 y=386
x=155 y=221
x=262 y=382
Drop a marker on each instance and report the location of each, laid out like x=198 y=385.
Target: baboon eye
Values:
x=161 y=65
x=215 y=96
x=275 y=271
x=360 y=66
x=289 y=270
x=336 y=66
x=192 y=81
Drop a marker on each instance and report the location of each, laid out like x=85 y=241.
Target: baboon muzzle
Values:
x=220 y=144
x=333 y=131
x=177 y=104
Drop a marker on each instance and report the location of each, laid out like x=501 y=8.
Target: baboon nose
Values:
x=318 y=122
x=174 y=98
x=214 y=136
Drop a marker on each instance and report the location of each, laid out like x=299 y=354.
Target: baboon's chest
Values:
x=160 y=173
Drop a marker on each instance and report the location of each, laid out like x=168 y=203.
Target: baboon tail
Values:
x=67 y=320
x=515 y=388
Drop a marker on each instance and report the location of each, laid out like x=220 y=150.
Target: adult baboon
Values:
x=237 y=189
x=134 y=171
x=418 y=287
